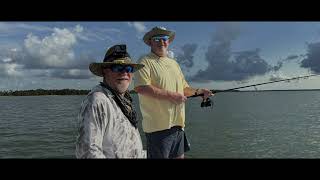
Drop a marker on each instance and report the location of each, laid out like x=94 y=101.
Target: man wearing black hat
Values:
x=107 y=119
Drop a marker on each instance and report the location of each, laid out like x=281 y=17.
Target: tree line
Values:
x=42 y=92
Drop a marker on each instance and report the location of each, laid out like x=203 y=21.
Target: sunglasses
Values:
x=158 y=38
x=122 y=68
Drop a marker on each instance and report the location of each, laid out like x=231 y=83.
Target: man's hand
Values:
x=206 y=93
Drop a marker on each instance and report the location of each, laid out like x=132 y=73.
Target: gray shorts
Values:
x=169 y=143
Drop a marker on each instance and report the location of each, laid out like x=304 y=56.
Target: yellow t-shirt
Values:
x=164 y=73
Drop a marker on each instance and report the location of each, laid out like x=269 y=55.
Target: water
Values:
x=38 y=126
x=240 y=125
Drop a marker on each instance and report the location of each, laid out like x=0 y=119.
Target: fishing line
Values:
x=207 y=102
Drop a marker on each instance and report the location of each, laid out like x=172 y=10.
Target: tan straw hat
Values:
x=158 y=31
x=117 y=54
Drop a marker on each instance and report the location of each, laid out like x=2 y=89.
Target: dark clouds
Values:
x=312 y=60
x=186 y=58
x=225 y=65
x=249 y=63
x=244 y=65
x=221 y=66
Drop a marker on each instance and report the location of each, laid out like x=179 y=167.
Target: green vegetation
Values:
x=41 y=92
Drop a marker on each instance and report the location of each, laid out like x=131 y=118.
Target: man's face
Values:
x=159 y=44
x=118 y=78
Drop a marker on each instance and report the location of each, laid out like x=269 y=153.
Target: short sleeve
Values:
x=142 y=77
x=184 y=82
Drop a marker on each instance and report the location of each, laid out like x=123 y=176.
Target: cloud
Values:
x=7 y=28
x=6 y=60
x=225 y=65
x=278 y=66
x=9 y=55
x=171 y=54
x=10 y=70
x=226 y=32
x=65 y=74
x=96 y=34
x=111 y=30
x=288 y=59
x=186 y=57
x=249 y=63
x=71 y=74
x=312 y=59
x=276 y=77
x=138 y=26
x=53 y=51
x=291 y=57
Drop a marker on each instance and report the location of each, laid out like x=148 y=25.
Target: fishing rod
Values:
x=207 y=102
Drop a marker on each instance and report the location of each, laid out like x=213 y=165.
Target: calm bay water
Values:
x=282 y=124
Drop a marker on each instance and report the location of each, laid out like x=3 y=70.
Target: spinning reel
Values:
x=206 y=103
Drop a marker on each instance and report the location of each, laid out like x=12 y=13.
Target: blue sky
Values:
x=215 y=55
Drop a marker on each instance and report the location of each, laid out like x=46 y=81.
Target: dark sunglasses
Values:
x=122 y=68
x=158 y=38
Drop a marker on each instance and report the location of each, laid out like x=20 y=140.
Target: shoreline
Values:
x=70 y=92
x=48 y=92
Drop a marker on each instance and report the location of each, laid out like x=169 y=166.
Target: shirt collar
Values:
x=153 y=55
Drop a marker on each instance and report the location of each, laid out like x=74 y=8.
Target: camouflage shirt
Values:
x=104 y=131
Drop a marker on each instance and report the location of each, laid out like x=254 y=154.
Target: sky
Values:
x=213 y=55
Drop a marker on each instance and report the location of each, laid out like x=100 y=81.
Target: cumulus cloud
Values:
x=186 y=57
x=53 y=51
x=221 y=67
x=312 y=59
x=9 y=55
x=10 y=70
x=249 y=63
x=225 y=65
x=138 y=26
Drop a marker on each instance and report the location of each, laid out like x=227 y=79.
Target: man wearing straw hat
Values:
x=108 y=122
x=163 y=91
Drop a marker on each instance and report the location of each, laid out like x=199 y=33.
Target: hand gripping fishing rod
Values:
x=208 y=102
